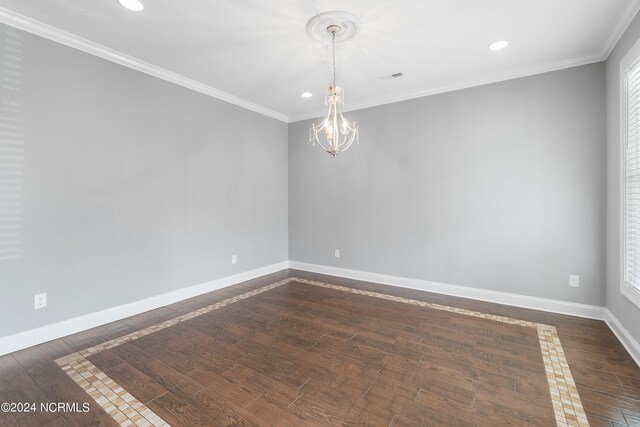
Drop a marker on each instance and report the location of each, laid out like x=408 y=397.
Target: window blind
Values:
x=632 y=176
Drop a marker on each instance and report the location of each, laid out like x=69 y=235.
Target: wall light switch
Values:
x=234 y=259
x=336 y=253
x=39 y=301
x=574 y=281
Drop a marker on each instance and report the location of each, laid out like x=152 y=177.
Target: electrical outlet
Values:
x=574 y=281
x=336 y=253
x=234 y=259
x=39 y=301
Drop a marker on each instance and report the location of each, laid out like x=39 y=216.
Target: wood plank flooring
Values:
x=304 y=355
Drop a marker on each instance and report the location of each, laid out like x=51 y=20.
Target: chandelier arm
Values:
x=347 y=128
x=348 y=124
x=327 y=149
x=316 y=139
x=351 y=130
x=336 y=129
x=347 y=137
x=342 y=117
x=348 y=143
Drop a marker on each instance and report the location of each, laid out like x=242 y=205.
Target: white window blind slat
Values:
x=632 y=176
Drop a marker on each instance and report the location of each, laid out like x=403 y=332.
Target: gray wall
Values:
x=130 y=186
x=116 y=186
x=498 y=187
x=619 y=305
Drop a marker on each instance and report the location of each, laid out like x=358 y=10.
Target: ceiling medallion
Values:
x=334 y=134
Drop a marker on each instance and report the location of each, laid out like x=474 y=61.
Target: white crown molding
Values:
x=510 y=75
x=43 y=30
x=624 y=20
x=516 y=300
x=61 y=329
x=627 y=340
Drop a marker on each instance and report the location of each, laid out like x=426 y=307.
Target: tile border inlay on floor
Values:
x=128 y=411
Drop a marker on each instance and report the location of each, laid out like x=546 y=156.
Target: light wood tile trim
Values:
x=113 y=398
x=128 y=411
x=566 y=402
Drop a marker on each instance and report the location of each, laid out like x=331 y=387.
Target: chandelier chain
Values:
x=334 y=57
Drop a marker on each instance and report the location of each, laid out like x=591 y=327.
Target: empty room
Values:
x=320 y=213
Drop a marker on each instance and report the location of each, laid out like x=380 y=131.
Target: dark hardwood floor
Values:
x=305 y=355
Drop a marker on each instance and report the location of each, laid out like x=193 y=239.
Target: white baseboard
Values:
x=535 y=303
x=632 y=346
x=42 y=334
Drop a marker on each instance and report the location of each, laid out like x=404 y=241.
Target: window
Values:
x=630 y=132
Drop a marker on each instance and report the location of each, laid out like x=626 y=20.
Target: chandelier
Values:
x=334 y=134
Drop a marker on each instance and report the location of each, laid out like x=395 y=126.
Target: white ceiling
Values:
x=256 y=53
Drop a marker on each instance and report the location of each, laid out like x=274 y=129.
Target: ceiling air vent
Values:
x=390 y=76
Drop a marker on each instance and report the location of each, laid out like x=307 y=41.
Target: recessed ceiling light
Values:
x=500 y=44
x=306 y=94
x=134 y=5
